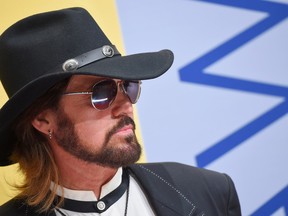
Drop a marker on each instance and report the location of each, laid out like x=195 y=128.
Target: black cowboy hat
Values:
x=40 y=50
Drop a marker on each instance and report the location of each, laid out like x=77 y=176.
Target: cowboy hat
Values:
x=43 y=49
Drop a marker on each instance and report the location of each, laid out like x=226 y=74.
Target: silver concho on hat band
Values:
x=70 y=65
x=89 y=57
x=108 y=51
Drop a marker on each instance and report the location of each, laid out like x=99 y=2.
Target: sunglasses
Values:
x=105 y=91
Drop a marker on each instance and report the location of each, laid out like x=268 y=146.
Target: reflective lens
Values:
x=132 y=89
x=104 y=93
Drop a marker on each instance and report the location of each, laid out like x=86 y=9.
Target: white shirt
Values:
x=137 y=201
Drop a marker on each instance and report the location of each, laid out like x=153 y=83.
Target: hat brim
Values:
x=133 y=67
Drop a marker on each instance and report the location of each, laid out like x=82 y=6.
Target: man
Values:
x=69 y=124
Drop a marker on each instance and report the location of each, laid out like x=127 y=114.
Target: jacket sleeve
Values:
x=233 y=205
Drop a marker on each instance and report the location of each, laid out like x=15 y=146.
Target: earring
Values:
x=50 y=134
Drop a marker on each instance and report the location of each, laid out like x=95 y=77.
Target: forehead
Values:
x=82 y=82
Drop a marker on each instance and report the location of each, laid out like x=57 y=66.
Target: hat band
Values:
x=106 y=51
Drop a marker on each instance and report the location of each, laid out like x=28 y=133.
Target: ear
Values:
x=44 y=122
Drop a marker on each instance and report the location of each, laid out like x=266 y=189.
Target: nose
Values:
x=122 y=105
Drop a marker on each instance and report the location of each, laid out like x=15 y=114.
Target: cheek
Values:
x=90 y=125
x=91 y=132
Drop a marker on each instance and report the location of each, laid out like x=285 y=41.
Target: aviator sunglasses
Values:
x=105 y=91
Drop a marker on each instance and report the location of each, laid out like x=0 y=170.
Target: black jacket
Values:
x=172 y=189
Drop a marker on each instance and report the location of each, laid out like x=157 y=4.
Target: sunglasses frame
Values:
x=118 y=83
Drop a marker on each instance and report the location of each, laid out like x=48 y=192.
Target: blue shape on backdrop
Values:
x=195 y=73
x=278 y=201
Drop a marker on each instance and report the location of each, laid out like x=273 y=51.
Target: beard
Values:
x=110 y=154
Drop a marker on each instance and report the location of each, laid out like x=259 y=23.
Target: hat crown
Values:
x=34 y=46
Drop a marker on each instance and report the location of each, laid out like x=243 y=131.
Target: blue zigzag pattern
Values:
x=194 y=73
x=278 y=201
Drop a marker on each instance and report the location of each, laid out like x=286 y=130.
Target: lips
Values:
x=125 y=129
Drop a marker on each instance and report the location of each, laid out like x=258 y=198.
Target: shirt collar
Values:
x=84 y=195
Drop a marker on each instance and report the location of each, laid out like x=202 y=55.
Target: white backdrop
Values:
x=223 y=105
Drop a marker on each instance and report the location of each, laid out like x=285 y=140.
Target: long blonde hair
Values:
x=34 y=155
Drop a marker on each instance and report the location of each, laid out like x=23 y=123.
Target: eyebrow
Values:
x=86 y=84
x=90 y=86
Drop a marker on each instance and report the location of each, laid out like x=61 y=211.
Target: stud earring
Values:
x=50 y=134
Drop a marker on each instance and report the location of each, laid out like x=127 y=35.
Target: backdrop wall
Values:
x=223 y=105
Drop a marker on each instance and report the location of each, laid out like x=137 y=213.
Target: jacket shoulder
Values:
x=179 y=171
x=187 y=177
x=211 y=191
x=18 y=207
x=14 y=207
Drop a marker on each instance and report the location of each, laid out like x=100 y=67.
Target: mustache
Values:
x=125 y=120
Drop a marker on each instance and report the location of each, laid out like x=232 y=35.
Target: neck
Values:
x=76 y=174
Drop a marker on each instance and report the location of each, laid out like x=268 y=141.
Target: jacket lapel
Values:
x=163 y=195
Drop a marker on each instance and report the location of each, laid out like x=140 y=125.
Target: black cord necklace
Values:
x=127 y=198
x=103 y=204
